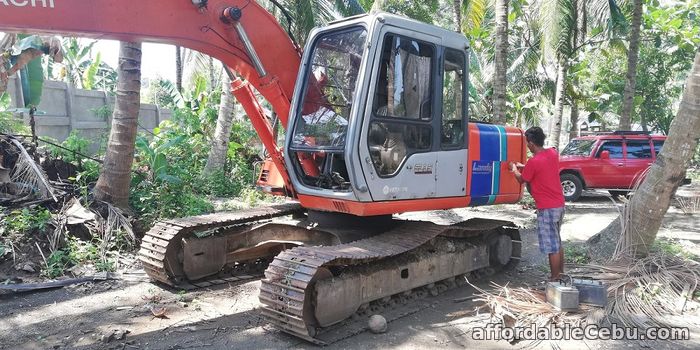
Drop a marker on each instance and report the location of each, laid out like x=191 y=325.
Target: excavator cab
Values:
x=380 y=115
x=379 y=109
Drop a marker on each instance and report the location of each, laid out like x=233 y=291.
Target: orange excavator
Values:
x=375 y=115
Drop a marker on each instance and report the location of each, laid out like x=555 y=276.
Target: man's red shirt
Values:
x=542 y=173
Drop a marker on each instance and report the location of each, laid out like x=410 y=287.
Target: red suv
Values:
x=607 y=161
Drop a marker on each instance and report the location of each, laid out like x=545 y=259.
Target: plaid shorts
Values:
x=548 y=226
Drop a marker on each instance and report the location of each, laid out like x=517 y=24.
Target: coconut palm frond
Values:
x=27 y=172
x=607 y=15
x=116 y=221
x=349 y=7
x=557 y=19
x=474 y=14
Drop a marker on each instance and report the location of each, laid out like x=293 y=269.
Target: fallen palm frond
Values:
x=524 y=307
x=654 y=291
x=27 y=172
x=110 y=229
x=689 y=205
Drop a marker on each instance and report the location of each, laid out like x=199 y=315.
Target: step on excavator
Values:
x=374 y=114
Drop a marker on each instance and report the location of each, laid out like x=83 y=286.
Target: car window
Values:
x=657 y=146
x=614 y=147
x=638 y=149
x=578 y=148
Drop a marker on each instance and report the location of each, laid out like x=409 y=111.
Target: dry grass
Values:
x=689 y=205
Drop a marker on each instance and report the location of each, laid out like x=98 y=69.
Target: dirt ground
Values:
x=119 y=314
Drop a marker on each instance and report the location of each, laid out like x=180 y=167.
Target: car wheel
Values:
x=572 y=186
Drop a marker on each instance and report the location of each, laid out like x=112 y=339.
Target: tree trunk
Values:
x=501 y=55
x=559 y=103
x=457 y=4
x=573 y=132
x=631 y=76
x=212 y=74
x=178 y=68
x=650 y=202
x=581 y=27
x=113 y=184
x=224 y=122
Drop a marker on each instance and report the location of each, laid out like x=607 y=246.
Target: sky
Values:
x=158 y=60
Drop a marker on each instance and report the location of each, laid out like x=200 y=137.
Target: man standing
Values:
x=541 y=173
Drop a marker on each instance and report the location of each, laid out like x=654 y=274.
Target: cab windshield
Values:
x=578 y=148
x=331 y=80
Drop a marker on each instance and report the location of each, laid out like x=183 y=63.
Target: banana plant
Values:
x=155 y=156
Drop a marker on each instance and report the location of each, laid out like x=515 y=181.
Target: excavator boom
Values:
x=240 y=33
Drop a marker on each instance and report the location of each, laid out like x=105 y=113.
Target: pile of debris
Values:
x=30 y=178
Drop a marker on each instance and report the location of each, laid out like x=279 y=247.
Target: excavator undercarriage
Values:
x=318 y=277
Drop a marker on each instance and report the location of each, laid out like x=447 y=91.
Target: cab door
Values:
x=397 y=141
x=607 y=172
x=452 y=157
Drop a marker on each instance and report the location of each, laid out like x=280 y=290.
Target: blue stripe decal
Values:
x=496 y=177
x=489 y=142
x=492 y=198
x=504 y=142
x=479 y=201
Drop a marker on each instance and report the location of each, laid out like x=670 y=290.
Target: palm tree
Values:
x=115 y=178
x=650 y=202
x=560 y=22
x=631 y=76
x=178 y=68
x=501 y=55
x=224 y=122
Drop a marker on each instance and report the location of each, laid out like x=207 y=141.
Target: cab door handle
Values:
x=619 y=164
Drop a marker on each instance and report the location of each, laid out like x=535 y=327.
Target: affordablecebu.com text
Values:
x=495 y=331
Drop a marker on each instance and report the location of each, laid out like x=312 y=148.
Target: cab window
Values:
x=402 y=106
x=453 y=111
x=638 y=149
x=614 y=147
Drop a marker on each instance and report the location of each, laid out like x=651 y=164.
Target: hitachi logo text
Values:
x=30 y=3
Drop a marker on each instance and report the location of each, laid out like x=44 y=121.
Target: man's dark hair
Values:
x=535 y=135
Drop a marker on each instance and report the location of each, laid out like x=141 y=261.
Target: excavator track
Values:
x=160 y=246
x=303 y=286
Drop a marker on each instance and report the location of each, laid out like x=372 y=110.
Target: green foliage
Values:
x=423 y=11
x=27 y=220
x=576 y=254
x=673 y=248
x=56 y=264
x=8 y=122
x=219 y=184
x=31 y=75
x=154 y=156
x=73 y=145
x=80 y=69
x=90 y=75
x=103 y=112
x=156 y=201
x=164 y=94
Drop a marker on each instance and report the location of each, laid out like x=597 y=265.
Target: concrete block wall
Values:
x=86 y=111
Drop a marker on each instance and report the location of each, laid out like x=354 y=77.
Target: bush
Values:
x=154 y=201
x=26 y=220
x=72 y=145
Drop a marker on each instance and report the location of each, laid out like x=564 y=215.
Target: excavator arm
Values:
x=239 y=33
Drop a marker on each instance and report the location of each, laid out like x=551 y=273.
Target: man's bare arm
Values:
x=514 y=169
